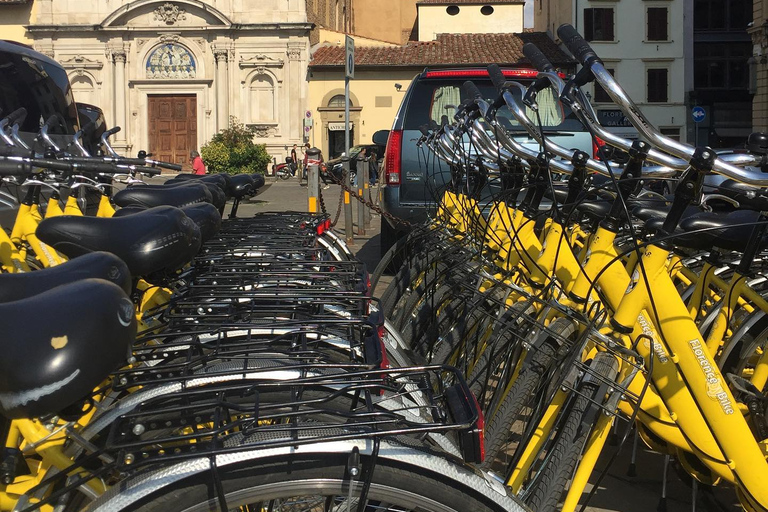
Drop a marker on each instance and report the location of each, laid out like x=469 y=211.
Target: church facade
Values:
x=172 y=73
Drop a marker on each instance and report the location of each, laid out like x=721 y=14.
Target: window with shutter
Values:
x=657 y=85
x=598 y=24
x=657 y=24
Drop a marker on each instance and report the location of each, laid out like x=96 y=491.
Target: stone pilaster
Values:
x=222 y=88
x=119 y=59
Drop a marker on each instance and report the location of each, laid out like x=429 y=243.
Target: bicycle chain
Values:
x=369 y=203
x=325 y=212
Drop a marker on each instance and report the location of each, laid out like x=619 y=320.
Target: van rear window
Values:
x=433 y=99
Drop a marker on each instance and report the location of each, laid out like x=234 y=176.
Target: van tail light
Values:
x=393 y=157
x=597 y=144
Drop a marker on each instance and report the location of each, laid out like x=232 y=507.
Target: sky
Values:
x=528 y=14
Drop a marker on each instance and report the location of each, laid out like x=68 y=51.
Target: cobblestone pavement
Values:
x=618 y=491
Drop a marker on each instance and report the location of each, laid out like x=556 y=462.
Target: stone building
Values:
x=428 y=33
x=171 y=73
x=759 y=65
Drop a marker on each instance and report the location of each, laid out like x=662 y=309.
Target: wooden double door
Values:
x=173 y=127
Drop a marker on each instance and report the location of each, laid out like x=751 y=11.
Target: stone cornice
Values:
x=254 y=27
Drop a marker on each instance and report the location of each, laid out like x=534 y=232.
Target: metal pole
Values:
x=347 y=202
x=313 y=186
x=367 y=190
x=346 y=116
x=360 y=205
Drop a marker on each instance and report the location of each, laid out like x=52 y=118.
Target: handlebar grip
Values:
x=471 y=91
x=14 y=168
x=577 y=45
x=17 y=115
x=537 y=58
x=433 y=125
x=497 y=76
x=444 y=121
x=169 y=166
x=424 y=130
x=111 y=131
x=149 y=171
x=16 y=151
x=50 y=121
x=103 y=167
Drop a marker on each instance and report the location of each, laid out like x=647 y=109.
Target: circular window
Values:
x=453 y=10
x=486 y=10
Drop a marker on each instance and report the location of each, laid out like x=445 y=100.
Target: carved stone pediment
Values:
x=167 y=14
x=170 y=13
x=260 y=60
x=263 y=130
x=81 y=62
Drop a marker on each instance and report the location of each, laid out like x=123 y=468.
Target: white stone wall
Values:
x=434 y=19
x=245 y=51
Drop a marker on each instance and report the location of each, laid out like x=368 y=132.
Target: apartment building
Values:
x=644 y=45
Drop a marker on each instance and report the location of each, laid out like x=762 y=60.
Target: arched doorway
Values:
x=336 y=142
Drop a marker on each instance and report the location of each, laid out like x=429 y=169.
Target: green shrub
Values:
x=232 y=151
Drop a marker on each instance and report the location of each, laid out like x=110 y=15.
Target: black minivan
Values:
x=412 y=182
x=32 y=80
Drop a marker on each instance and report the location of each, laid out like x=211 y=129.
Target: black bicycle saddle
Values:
x=681 y=238
x=48 y=366
x=221 y=179
x=747 y=196
x=594 y=210
x=240 y=186
x=207 y=218
x=148 y=196
x=723 y=229
x=218 y=195
x=155 y=240
x=646 y=211
x=98 y=265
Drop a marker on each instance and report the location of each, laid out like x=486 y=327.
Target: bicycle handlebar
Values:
x=537 y=58
x=17 y=115
x=577 y=45
x=111 y=132
x=584 y=53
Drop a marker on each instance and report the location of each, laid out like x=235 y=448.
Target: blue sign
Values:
x=698 y=114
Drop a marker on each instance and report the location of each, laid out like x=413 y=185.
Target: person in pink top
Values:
x=197 y=163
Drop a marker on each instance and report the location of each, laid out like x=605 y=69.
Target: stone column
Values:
x=118 y=56
x=222 y=88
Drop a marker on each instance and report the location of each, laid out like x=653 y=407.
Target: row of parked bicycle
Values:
x=590 y=307
x=169 y=360
x=157 y=357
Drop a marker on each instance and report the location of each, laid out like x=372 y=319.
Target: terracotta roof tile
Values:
x=448 y=49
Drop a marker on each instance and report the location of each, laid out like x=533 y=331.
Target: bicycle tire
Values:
x=522 y=390
x=424 y=313
x=499 y=340
x=326 y=475
x=571 y=438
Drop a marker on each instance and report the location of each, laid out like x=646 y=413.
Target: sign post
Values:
x=349 y=73
x=699 y=115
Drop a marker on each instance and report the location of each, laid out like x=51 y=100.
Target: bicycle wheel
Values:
x=560 y=462
x=313 y=482
x=500 y=427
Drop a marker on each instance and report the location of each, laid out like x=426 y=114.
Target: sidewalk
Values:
x=285 y=195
